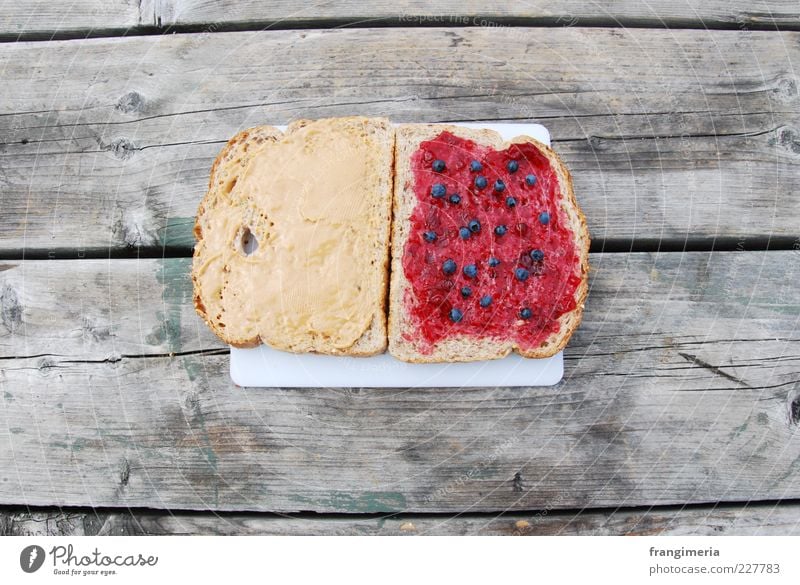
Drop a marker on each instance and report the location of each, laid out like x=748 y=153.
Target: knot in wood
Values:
x=130 y=103
x=121 y=148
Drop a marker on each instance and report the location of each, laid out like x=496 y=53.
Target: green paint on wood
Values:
x=197 y=419
x=8 y=396
x=739 y=430
x=16 y=430
x=364 y=502
x=178 y=233
x=193 y=367
x=792 y=470
x=211 y=457
x=108 y=435
x=174 y=276
x=167 y=332
x=79 y=444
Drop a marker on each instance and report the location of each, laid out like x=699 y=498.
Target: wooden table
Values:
x=680 y=405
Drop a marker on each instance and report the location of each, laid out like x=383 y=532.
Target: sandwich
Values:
x=489 y=248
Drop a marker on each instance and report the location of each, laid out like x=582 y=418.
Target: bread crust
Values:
x=465 y=348
x=241 y=147
x=225 y=170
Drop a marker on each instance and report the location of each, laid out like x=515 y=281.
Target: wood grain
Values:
x=693 y=13
x=681 y=386
x=671 y=135
x=44 y=18
x=741 y=520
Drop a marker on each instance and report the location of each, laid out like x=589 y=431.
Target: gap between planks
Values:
x=162 y=18
x=761 y=517
x=598 y=246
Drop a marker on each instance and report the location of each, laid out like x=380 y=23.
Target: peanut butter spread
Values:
x=293 y=241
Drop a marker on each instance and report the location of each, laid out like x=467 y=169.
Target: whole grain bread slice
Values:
x=230 y=278
x=404 y=339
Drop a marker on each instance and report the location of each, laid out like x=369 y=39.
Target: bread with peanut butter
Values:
x=489 y=247
x=293 y=237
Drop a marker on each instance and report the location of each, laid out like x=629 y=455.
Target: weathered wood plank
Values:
x=681 y=386
x=694 y=13
x=745 y=520
x=99 y=310
x=42 y=18
x=39 y=19
x=671 y=135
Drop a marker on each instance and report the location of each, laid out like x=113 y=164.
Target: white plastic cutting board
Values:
x=266 y=367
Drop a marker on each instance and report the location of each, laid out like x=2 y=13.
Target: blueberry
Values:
x=456 y=315
x=530 y=180
x=537 y=255
x=449 y=267
x=486 y=301
x=470 y=271
x=511 y=202
x=464 y=233
x=475 y=166
x=438 y=165
x=474 y=226
x=499 y=186
x=493 y=261
x=438 y=190
x=500 y=230
x=455 y=198
x=466 y=291
x=512 y=166
x=481 y=182
x=429 y=236
x=526 y=313
x=521 y=274
x=544 y=218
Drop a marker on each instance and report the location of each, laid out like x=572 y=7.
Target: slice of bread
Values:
x=406 y=339
x=293 y=237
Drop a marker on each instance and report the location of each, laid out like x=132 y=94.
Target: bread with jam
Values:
x=489 y=247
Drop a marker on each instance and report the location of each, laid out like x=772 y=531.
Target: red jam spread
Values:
x=460 y=229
